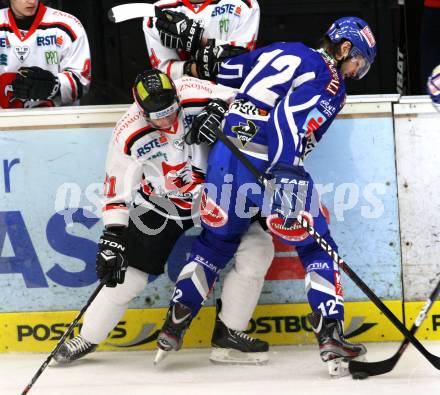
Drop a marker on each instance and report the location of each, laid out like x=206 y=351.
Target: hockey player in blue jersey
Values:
x=289 y=94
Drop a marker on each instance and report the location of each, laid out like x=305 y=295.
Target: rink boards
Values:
x=371 y=168
x=278 y=324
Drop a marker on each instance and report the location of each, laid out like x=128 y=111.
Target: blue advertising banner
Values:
x=49 y=214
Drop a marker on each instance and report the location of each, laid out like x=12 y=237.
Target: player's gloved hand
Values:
x=204 y=124
x=112 y=256
x=208 y=59
x=434 y=87
x=178 y=31
x=292 y=187
x=35 y=83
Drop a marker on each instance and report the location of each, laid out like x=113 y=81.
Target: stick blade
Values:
x=373 y=368
x=125 y=12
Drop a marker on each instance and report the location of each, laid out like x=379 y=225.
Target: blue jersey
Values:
x=288 y=96
x=300 y=88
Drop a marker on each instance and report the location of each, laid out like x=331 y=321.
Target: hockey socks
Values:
x=322 y=280
x=208 y=257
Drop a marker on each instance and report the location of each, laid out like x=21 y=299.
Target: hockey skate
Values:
x=74 y=349
x=333 y=347
x=171 y=335
x=231 y=346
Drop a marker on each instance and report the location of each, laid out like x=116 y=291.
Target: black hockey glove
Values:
x=112 y=256
x=202 y=128
x=208 y=59
x=178 y=31
x=35 y=83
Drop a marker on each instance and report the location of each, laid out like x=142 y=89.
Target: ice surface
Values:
x=292 y=370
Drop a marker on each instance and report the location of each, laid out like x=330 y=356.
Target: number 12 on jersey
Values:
x=259 y=85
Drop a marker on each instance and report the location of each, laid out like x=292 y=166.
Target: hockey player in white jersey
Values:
x=44 y=56
x=147 y=155
x=186 y=31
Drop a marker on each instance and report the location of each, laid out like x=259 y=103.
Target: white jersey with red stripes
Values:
x=234 y=22
x=154 y=168
x=57 y=42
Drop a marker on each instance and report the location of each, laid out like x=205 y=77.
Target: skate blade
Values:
x=338 y=367
x=227 y=356
x=61 y=361
x=160 y=356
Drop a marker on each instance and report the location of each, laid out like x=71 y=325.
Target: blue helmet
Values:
x=359 y=34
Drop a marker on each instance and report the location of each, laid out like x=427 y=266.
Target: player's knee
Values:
x=217 y=249
x=134 y=283
x=255 y=253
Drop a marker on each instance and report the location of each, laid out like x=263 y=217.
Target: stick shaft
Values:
x=125 y=12
x=385 y=366
x=63 y=338
x=435 y=360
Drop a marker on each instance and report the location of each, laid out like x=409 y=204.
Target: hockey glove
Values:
x=112 y=256
x=292 y=188
x=208 y=59
x=204 y=124
x=35 y=83
x=178 y=31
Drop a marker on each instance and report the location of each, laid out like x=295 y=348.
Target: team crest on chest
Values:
x=245 y=132
x=22 y=53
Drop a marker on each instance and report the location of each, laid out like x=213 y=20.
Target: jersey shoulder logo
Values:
x=327 y=108
x=245 y=132
x=313 y=121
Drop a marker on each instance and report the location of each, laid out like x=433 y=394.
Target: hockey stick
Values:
x=385 y=366
x=124 y=12
x=402 y=80
x=63 y=338
x=435 y=360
